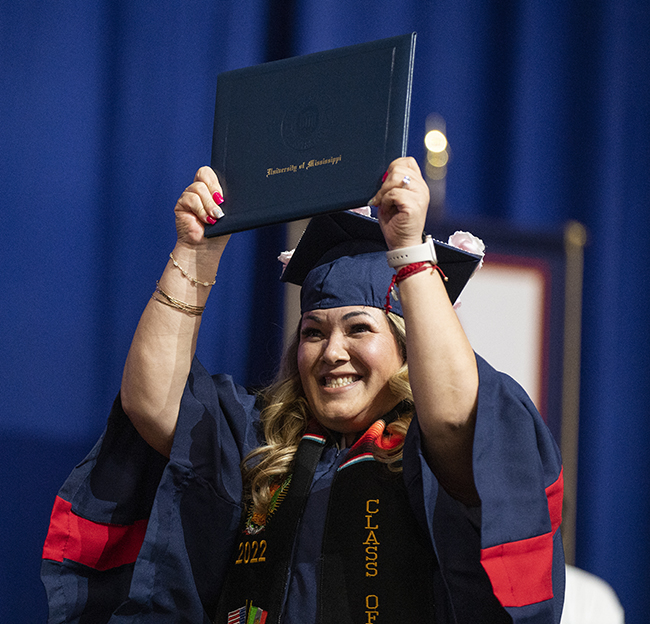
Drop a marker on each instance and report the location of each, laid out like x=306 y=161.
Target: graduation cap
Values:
x=341 y=261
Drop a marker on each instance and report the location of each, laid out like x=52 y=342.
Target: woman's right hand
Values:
x=197 y=206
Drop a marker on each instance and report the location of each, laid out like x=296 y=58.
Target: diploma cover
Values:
x=311 y=134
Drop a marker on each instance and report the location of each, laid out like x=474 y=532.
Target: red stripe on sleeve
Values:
x=521 y=571
x=93 y=544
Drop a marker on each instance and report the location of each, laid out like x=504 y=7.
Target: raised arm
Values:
x=442 y=367
x=164 y=343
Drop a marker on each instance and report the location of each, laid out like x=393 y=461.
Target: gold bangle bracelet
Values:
x=177 y=304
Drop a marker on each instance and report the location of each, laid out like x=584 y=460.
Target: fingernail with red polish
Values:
x=383 y=178
x=218 y=197
x=210 y=220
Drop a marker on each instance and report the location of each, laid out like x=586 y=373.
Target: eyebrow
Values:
x=350 y=315
x=346 y=317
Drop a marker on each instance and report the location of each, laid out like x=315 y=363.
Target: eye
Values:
x=360 y=328
x=307 y=333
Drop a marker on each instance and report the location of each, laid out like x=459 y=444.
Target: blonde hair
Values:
x=286 y=414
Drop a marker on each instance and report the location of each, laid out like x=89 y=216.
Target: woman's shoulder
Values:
x=216 y=412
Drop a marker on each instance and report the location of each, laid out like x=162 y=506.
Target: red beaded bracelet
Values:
x=406 y=271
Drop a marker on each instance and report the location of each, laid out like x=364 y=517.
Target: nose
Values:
x=335 y=350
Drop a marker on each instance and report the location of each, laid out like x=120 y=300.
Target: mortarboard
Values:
x=341 y=261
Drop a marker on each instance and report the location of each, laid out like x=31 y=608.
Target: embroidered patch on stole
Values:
x=256 y=522
x=247 y=615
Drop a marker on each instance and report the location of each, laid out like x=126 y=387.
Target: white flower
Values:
x=284 y=257
x=468 y=242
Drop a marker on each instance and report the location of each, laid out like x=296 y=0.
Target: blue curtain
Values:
x=105 y=114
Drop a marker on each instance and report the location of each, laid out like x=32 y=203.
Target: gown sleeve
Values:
x=501 y=561
x=135 y=537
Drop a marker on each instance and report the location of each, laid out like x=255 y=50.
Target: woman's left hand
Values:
x=402 y=201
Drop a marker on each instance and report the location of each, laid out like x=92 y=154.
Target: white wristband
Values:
x=425 y=252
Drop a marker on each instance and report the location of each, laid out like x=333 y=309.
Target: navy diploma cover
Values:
x=310 y=134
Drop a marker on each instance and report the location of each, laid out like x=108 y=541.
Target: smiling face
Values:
x=345 y=358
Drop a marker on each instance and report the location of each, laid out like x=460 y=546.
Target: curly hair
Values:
x=286 y=414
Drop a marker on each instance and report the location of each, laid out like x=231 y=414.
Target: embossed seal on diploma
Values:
x=307 y=122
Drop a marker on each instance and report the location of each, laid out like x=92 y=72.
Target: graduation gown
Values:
x=135 y=537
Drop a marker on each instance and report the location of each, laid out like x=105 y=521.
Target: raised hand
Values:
x=402 y=201
x=199 y=204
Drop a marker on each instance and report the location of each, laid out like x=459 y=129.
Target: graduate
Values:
x=388 y=475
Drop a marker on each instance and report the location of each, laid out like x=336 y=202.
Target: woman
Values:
x=328 y=534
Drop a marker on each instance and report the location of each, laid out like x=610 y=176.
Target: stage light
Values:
x=435 y=141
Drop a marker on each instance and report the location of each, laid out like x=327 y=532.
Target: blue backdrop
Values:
x=105 y=114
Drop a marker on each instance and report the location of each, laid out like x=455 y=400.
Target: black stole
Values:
x=376 y=567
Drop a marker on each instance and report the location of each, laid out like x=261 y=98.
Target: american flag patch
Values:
x=245 y=616
x=238 y=616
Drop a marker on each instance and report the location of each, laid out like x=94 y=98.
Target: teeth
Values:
x=338 y=382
